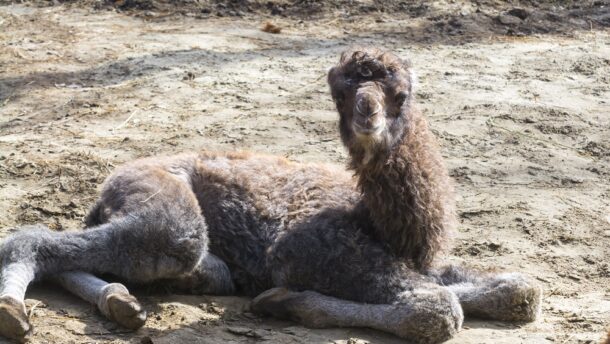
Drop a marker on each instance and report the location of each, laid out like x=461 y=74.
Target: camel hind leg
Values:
x=14 y=280
x=122 y=248
x=162 y=236
x=25 y=257
x=113 y=300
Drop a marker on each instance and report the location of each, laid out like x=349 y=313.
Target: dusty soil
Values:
x=522 y=114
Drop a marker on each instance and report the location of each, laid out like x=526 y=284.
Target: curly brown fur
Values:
x=400 y=170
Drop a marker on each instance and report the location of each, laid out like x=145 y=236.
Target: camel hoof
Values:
x=14 y=322
x=125 y=310
x=292 y=305
x=273 y=302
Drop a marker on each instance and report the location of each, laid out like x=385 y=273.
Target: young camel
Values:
x=319 y=246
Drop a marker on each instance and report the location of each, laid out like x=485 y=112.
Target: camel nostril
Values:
x=367 y=108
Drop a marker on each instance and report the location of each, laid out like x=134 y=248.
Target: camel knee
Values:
x=429 y=315
x=156 y=243
x=24 y=246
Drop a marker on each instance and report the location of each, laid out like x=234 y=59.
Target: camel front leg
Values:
x=500 y=296
x=14 y=280
x=112 y=299
x=427 y=315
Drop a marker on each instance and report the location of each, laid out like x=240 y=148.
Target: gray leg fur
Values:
x=146 y=226
x=121 y=247
x=112 y=299
x=431 y=314
x=14 y=280
x=499 y=296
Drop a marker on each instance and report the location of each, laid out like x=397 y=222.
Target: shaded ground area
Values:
x=447 y=21
x=523 y=121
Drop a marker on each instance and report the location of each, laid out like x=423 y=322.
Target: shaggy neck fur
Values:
x=408 y=193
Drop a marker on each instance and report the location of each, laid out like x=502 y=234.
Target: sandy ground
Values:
x=524 y=124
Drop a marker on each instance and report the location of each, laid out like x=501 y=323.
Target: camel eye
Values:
x=401 y=97
x=364 y=72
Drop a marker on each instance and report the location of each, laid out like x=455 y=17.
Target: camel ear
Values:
x=413 y=80
x=333 y=76
x=333 y=79
x=329 y=74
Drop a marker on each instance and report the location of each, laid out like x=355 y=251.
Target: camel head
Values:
x=373 y=92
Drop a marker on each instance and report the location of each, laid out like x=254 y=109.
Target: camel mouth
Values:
x=368 y=130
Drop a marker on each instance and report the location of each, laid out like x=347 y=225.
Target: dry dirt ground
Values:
x=524 y=122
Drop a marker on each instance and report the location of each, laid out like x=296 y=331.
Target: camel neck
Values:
x=408 y=195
